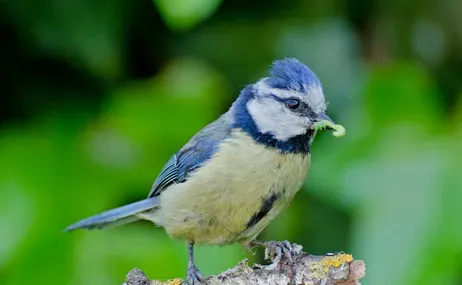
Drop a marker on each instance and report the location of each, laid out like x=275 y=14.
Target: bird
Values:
x=233 y=177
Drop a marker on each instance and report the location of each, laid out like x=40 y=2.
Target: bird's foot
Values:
x=281 y=254
x=194 y=277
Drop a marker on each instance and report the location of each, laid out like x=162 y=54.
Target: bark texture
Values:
x=311 y=270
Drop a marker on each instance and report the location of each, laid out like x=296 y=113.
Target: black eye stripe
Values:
x=277 y=98
x=303 y=108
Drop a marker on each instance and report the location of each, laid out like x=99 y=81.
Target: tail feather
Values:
x=115 y=217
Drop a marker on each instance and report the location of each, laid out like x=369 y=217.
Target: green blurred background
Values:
x=97 y=95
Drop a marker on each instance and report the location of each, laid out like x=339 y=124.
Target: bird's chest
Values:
x=270 y=182
x=240 y=190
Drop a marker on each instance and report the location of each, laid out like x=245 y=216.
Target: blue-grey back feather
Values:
x=194 y=154
x=118 y=216
x=167 y=176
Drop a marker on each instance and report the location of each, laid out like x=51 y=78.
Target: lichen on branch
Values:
x=339 y=269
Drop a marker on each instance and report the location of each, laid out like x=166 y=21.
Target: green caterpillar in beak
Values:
x=339 y=130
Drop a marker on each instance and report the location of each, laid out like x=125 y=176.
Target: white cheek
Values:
x=273 y=118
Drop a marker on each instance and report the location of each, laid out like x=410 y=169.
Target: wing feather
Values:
x=192 y=156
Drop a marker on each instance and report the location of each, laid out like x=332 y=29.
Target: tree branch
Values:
x=338 y=269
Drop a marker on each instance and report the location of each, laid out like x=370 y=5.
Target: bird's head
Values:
x=287 y=104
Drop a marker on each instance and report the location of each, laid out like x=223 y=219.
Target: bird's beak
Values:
x=323 y=117
x=323 y=122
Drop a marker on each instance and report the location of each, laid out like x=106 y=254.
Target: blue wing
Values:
x=193 y=155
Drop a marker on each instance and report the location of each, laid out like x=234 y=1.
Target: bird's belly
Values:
x=235 y=195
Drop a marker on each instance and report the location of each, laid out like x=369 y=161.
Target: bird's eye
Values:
x=293 y=104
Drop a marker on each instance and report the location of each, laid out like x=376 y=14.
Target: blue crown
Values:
x=290 y=73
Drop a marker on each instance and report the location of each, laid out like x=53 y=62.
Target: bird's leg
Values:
x=194 y=276
x=281 y=253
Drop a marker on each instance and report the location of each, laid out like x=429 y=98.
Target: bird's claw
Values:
x=275 y=250
x=282 y=253
x=194 y=277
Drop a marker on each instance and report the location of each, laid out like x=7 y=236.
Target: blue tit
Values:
x=235 y=175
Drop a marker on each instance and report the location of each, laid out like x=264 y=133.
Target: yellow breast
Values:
x=235 y=195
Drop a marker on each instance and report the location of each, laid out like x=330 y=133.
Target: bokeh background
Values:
x=97 y=95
